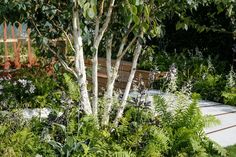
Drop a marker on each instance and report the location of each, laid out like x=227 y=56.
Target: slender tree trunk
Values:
x=110 y=84
x=112 y=74
x=79 y=63
x=95 y=67
x=95 y=81
x=120 y=111
x=99 y=33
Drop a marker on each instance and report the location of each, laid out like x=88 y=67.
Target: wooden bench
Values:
x=123 y=74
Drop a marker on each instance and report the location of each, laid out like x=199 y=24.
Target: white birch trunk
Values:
x=112 y=75
x=120 y=111
x=95 y=81
x=99 y=33
x=79 y=63
x=110 y=84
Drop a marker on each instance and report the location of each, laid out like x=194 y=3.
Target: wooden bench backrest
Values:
x=123 y=73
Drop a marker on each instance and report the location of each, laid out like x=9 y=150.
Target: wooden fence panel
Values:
x=16 y=42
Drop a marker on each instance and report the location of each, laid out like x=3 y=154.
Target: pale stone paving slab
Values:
x=225 y=133
x=206 y=103
x=216 y=110
x=225 y=137
x=226 y=120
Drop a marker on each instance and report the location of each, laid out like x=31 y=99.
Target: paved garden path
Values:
x=225 y=133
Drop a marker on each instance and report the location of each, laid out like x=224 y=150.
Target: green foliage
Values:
x=175 y=132
x=56 y=16
x=231 y=151
x=141 y=132
x=230 y=96
x=73 y=87
x=208 y=76
x=16 y=92
x=138 y=131
x=34 y=88
x=210 y=87
x=229 y=93
x=185 y=126
x=136 y=136
x=17 y=138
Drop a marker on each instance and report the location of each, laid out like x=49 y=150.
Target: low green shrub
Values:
x=164 y=128
x=37 y=91
x=18 y=139
x=141 y=132
x=230 y=96
x=210 y=87
x=208 y=75
x=231 y=151
x=185 y=125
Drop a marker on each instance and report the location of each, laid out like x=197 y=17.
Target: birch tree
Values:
x=79 y=60
x=76 y=18
x=122 y=26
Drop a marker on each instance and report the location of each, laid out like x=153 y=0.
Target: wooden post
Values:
x=7 y=59
x=19 y=43
x=16 y=56
x=30 y=55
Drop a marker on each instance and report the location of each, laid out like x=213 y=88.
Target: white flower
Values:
x=1 y=87
x=204 y=76
x=70 y=101
x=186 y=89
x=32 y=89
x=210 y=66
x=172 y=77
x=23 y=82
x=231 y=80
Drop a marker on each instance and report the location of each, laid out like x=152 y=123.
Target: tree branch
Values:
x=124 y=39
x=105 y=25
x=98 y=20
x=68 y=38
x=64 y=64
x=101 y=8
x=128 y=47
x=110 y=84
x=137 y=52
x=108 y=56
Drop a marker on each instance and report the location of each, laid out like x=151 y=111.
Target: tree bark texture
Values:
x=79 y=63
x=99 y=33
x=120 y=111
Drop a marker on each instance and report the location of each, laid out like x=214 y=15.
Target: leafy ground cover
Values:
x=143 y=131
x=231 y=151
